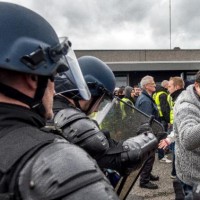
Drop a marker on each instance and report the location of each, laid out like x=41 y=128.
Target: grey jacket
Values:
x=187 y=132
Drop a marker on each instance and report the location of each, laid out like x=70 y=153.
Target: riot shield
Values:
x=126 y=183
x=111 y=117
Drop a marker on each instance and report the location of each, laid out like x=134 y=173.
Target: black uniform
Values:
x=38 y=165
x=79 y=129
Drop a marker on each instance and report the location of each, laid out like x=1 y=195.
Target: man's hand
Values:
x=164 y=143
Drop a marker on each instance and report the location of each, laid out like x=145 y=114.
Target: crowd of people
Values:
x=151 y=100
x=175 y=106
x=51 y=148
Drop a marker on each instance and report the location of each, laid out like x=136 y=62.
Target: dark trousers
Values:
x=182 y=190
x=145 y=174
x=165 y=125
x=161 y=153
x=188 y=191
x=173 y=173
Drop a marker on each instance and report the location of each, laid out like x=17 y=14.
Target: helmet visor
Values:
x=103 y=109
x=74 y=74
x=77 y=75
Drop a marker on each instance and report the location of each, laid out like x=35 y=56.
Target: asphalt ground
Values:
x=165 y=183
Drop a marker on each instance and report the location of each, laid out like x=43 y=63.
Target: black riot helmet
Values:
x=98 y=76
x=29 y=44
x=100 y=80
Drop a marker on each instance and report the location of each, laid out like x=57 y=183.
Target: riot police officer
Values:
x=72 y=111
x=34 y=164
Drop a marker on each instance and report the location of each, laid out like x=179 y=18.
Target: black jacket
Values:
x=146 y=104
x=19 y=134
x=175 y=94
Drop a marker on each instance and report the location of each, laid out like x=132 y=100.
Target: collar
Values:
x=14 y=115
x=175 y=94
x=147 y=95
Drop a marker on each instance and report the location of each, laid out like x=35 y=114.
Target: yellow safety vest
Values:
x=156 y=97
x=122 y=106
x=171 y=105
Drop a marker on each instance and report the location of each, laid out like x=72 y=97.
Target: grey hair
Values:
x=145 y=80
x=164 y=83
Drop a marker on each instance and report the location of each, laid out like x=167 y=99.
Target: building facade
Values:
x=129 y=66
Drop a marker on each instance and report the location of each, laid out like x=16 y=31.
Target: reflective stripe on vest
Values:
x=122 y=106
x=156 y=97
x=171 y=105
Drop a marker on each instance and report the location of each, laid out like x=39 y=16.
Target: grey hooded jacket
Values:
x=187 y=132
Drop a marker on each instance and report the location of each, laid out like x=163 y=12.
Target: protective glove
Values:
x=146 y=127
x=137 y=149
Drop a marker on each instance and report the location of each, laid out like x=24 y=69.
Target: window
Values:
x=121 y=80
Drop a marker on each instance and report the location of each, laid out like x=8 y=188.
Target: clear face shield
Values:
x=121 y=119
x=103 y=106
x=74 y=74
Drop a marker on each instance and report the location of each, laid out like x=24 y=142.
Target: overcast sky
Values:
x=122 y=24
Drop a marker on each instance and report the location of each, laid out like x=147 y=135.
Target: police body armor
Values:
x=79 y=129
x=27 y=170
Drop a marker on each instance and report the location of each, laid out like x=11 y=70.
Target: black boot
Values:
x=149 y=185
x=154 y=178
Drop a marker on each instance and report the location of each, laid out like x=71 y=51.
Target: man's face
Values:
x=137 y=91
x=197 y=88
x=48 y=100
x=150 y=87
x=166 y=85
x=133 y=93
x=171 y=87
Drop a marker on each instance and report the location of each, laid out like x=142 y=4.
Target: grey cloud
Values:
x=132 y=24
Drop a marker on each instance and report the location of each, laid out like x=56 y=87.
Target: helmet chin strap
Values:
x=77 y=104
x=95 y=101
x=34 y=103
x=38 y=106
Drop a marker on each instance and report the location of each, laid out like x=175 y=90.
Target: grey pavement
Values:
x=165 y=190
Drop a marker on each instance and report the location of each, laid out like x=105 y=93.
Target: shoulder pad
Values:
x=80 y=130
x=66 y=116
x=86 y=134
x=62 y=170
